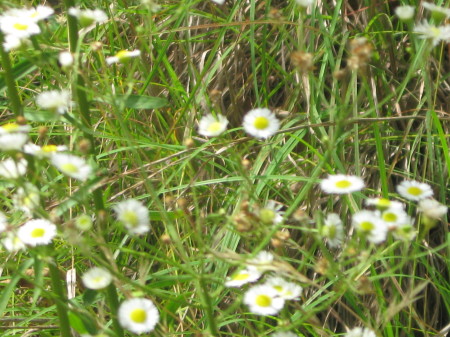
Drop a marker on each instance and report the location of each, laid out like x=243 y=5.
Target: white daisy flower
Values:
x=18 y=26
x=13 y=136
x=11 y=169
x=134 y=215
x=57 y=101
x=414 y=190
x=305 y=3
x=341 y=184
x=45 y=151
x=12 y=242
x=72 y=166
x=433 y=33
x=83 y=222
x=360 y=332
x=66 y=59
x=11 y=42
x=370 y=224
x=384 y=204
x=286 y=290
x=333 y=230
x=263 y=300
x=27 y=198
x=394 y=217
x=261 y=262
x=440 y=12
x=96 y=278
x=138 y=315
x=123 y=56
x=271 y=213
x=261 y=123
x=283 y=334
x=404 y=232
x=219 y=2
x=212 y=126
x=405 y=13
x=37 y=232
x=242 y=277
x=87 y=17
x=3 y=222
x=40 y=13
x=432 y=208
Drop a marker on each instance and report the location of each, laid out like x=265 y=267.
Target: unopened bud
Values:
x=84 y=146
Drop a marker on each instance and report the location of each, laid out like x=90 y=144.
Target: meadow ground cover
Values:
x=224 y=168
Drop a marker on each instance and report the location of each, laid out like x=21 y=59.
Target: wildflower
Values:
x=370 y=225
x=405 y=13
x=219 y=2
x=242 y=277
x=13 y=136
x=414 y=190
x=304 y=3
x=87 y=17
x=283 y=334
x=12 y=242
x=138 y=315
x=27 y=198
x=40 y=13
x=360 y=332
x=271 y=213
x=83 y=222
x=19 y=26
x=96 y=278
x=37 y=232
x=341 y=184
x=261 y=123
x=134 y=215
x=404 y=232
x=432 y=208
x=11 y=169
x=394 y=217
x=433 y=33
x=384 y=204
x=57 y=101
x=333 y=230
x=13 y=42
x=212 y=126
x=263 y=300
x=123 y=56
x=66 y=59
x=45 y=151
x=72 y=166
x=3 y=222
x=261 y=262
x=437 y=12
x=286 y=290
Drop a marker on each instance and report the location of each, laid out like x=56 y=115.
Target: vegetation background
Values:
x=385 y=119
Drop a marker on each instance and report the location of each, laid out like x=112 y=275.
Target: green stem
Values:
x=206 y=299
x=61 y=307
x=13 y=94
x=113 y=302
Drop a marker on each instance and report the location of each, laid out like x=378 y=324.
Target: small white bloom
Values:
x=138 y=315
x=405 y=13
x=242 y=277
x=40 y=13
x=341 y=184
x=134 y=215
x=283 y=334
x=54 y=100
x=12 y=242
x=212 y=126
x=27 y=198
x=3 y=222
x=13 y=136
x=13 y=42
x=261 y=123
x=263 y=300
x=123 y=56
x=305 y=3
x=414 y=190
x=433 y=33
x=219 y=2
x=333 y=230
x=96 y=278
x=383 y=203
x=87 y=17
x=271 y=213
x=83 y=222
x=404 y=232
x=432 y=208
x=37 y=232
x=360 y=332
x=286 y=290
x=20 y=27
x=261 y=262
x=370 y=224
x=72 y=166
x=66 y=59
x=437 y=10
x=394 y=217
x=45 y=151
x=11 y=169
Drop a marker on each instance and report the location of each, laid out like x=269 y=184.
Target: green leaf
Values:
x=77 y=323
x=41 y=115
x=136 y=101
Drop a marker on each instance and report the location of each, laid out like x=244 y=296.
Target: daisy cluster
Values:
x=269 y=297
x=385 y=216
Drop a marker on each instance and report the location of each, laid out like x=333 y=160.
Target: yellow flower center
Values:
x=267 y=215
x=366 y=226
x=69 y=168
x=383 y=202
x=49 y=148
x=10 y=127
x=138 y=315
x=343 y=184
x=389 y=217
x=130 y=218
x=241 y=277
x=278 y=288
x=413 y=190
x=435 y=32
x=261 y=123
x=37 y=233
x=215 y=127
x=123 y=54
x=263 y=300
x=332 y=231
x=20 y=26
